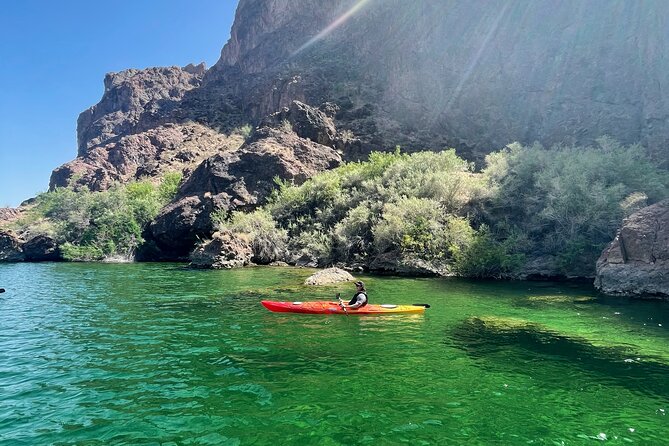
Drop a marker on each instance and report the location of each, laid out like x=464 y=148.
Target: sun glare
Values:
x=332 y=26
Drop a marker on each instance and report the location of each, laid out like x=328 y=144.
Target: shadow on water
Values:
x=499 y=341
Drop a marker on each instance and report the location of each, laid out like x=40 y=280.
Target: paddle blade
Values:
x=2 y=290
x=421 y=305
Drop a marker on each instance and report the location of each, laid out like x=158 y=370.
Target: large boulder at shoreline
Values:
x=636 y=263
x=224 y=251
x=329 y=276
x=41 y=248
x=11 y=249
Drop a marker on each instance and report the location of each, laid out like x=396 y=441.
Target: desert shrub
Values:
x=569 y=201
x=484 y=256
x=245 y=130
x=352 y=236
x=169 y=186
x=412 y=225
x=316 y=244
x=94 y=225
x=268 y=241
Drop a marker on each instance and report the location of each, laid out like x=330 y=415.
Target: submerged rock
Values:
x=329 y=276
x=636 y=263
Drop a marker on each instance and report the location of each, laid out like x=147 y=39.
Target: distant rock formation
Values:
x=11 y=249
x=637 y=261
x=26 y=247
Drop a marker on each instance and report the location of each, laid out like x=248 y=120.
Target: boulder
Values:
x=636 y=263
x=10 y=247
x=41 y=248
x=225 y=250
x=329 y=276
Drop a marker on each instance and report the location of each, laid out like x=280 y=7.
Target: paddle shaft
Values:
x=341 y=303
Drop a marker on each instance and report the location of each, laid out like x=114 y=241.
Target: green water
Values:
x=94 y=354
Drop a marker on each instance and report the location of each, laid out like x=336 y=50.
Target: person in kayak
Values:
x=360 y=297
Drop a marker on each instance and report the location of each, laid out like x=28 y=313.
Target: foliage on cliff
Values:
x=430 y=212
x=97 y=225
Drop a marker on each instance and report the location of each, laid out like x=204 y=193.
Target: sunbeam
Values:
x=332 y=26
x=474 y=61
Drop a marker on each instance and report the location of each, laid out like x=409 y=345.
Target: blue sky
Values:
x=54 y=56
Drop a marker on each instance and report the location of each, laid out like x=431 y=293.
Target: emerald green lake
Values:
x=157 y=354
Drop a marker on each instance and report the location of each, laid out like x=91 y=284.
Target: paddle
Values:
x=341 y=304
x=421 y=305
x=2 y=290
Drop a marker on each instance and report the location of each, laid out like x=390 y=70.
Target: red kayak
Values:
x=323 y=307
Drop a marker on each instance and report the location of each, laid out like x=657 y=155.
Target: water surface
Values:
x=156 y=354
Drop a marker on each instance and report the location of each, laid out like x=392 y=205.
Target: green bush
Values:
x=484 y=256
x=94 y=225
x=268 y=241
x=569 y=201
x=411 y=225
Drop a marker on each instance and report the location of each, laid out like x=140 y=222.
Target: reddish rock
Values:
x=238 y=180
x=148 y=154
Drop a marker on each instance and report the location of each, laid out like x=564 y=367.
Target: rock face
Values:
x=41 y=248
x=241 y=179
x=133 y=100
x=472 y=75
x=167 y=148
x=637 y=261
x=10 y=247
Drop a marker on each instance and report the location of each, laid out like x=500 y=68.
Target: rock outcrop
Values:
x=11 y=249
x=8 y=215
x=637 y=261
x=41 y=248
x=242 y=179
x=149 y=154
x=133 y=101
x=224 y=250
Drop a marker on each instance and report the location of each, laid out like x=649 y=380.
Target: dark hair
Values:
x=360 y=284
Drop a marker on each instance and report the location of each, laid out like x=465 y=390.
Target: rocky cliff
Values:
x=473 y=75
x=425 y=74
x=637 y=261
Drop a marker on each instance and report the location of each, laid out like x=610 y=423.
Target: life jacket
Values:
x=355 y=298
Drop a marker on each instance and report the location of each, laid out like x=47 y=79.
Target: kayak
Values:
x=323 y=307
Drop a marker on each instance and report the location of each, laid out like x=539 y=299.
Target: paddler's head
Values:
x=359 y=286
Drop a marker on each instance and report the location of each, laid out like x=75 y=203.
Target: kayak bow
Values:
x=324 y=307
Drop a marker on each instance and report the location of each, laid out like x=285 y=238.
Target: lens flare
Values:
x=332 y=26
